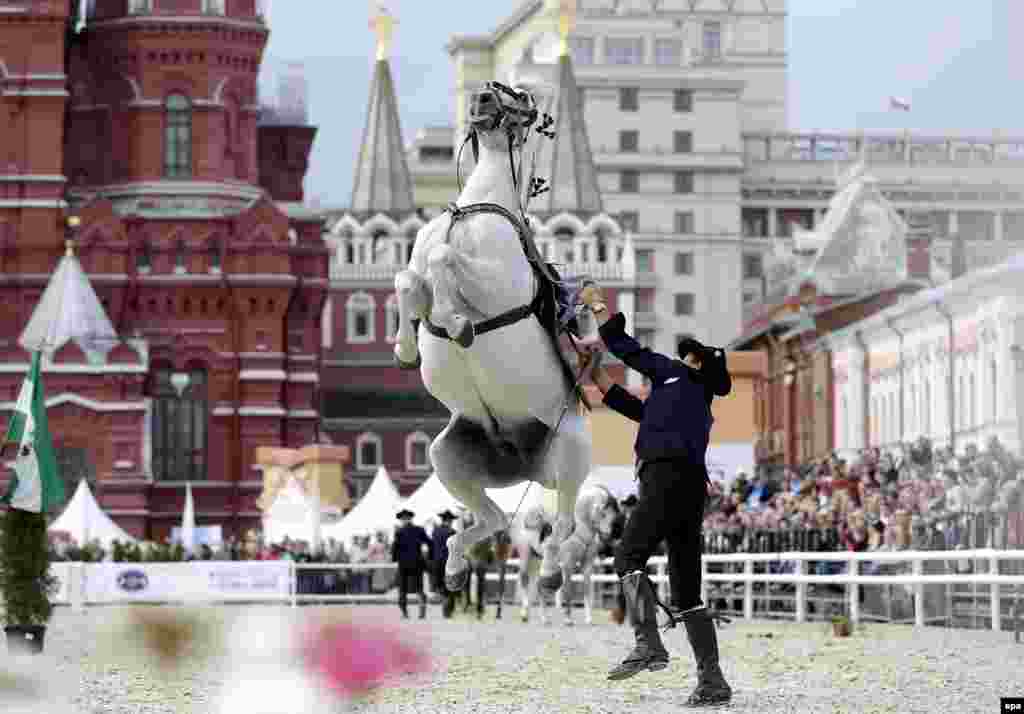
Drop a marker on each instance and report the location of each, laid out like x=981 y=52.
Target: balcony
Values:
x=952 y=150
x=665 y=158
x=385 y=273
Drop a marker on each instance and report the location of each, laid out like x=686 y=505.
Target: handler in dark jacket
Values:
x=407 y=551
x=671 y=448
x=440 y=538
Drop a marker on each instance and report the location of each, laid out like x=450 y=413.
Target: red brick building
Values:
x=146 y=124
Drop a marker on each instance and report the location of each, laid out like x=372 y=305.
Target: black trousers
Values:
x=442 y=590
x=410 y=580
x=670 y=508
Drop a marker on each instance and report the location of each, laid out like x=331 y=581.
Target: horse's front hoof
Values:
x=402 y=364
x=550 y=583
x=466 y=335
x=569 y=622
x=523 y=617
x=618 y=616
x=457 y=582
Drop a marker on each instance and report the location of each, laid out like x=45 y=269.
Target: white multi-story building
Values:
x=946 y=364
x=685 y=106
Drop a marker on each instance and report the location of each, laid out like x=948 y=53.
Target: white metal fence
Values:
x=761 y=584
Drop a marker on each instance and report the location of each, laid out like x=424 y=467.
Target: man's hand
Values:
x=589 y=363
x=592 y=297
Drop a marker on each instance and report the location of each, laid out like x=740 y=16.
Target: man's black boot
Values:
x=641 y=606
x=712 y=689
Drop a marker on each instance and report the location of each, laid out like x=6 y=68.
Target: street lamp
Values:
x=72 y=223
x=789 y=369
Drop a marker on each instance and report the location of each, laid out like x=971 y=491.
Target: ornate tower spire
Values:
x=573 y=178
x=382 y=181
x=566 y=20
x=383 y=25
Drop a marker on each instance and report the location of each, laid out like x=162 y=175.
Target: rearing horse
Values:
x=474 y=285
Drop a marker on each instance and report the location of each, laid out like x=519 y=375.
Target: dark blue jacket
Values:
x=675 y=420
x=440 y=538
x=406 y=551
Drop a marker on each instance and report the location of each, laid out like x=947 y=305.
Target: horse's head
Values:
x=608 y=518
x=534 y=519
x=498 y=113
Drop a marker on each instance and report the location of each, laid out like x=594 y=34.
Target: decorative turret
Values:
x=286 y=139
x=193 y=61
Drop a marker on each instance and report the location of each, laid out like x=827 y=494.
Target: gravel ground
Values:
x=508 y=666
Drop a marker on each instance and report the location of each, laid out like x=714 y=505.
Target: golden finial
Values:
x=566 y=20
x=382 y=23
x=69 y=248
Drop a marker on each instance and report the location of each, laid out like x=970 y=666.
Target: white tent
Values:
x=84 y=520
x=69 y=310
x=374 y=511
x=188 y=522
x=509 y=499
x=291 y=515
x=430 y=499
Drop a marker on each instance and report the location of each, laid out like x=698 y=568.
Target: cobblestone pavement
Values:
x=508 y=666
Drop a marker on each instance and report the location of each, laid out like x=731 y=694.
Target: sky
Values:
x=955 y=61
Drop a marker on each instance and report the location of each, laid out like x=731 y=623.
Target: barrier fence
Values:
x=960 y=588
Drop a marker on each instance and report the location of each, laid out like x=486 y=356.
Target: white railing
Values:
x=83 y=584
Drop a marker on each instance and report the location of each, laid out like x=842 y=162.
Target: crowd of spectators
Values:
x=914 y=497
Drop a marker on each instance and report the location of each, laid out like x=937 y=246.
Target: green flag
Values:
x=36 y=486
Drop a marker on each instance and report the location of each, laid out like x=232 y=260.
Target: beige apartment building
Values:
x=685 y=107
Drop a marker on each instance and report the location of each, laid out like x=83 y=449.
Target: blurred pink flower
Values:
x=353 y=658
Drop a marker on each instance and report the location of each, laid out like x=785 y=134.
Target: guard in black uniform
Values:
x=440 y=538
x=671 y=448
x=407 y=551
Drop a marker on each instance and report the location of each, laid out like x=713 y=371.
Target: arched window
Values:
x=391 y=321
x=378 y=245
x=993 y=370
x=178 y=137
x=972 y=401
x=844 y=425
x=417 y=452
x=601 y=243
x=961 y=406
x=926 y=408
x=180 y=413
x=359 y=318
x=369 y=451
x=327 y=324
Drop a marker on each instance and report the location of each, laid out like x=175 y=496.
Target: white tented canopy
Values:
x=374 y=511
x=84 y=520
x=620 y=480
x=69 y=310
x=508 y=499
x=430 y=499
x=291 y=515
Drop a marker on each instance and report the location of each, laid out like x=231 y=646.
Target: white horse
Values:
x=505 y=385
x=596 y=515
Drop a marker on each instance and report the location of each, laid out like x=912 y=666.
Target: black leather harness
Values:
x=544 y=304
x=509 y=317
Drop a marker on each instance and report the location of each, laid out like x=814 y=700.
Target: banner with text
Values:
x=196 y=580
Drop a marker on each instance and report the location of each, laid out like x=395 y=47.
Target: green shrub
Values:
x=25 y=578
